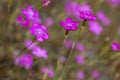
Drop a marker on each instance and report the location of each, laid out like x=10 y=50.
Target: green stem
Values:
x=62 y=49
x=70 y=55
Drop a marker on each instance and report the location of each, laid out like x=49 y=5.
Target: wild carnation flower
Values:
x=69 y=24
x=39 y=52
x=115 y=46
x=86 y=15
x=31 y=14
x=39 y=31
x=80 y=59
x=46 y=3
x=95 y=27
x=23 y=22
x=24 y=60
x=95 y=74
x=29 y=44
x=80 y=75
x=50 y=72
x=68 y=44
x=80 y=47
x=103 y=18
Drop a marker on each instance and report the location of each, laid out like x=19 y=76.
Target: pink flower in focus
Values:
x=39 y=52
x=80 y=75
x=20 y=20
x=103 y=18
x=29 y=44
x=80 y=59
x=39 y=31
x=50 y=72
x=80 y=47
x=95 y=74
x=31 y=14
x=24 y=60
x=115 y=46
x=69 y=24
x=95 y=27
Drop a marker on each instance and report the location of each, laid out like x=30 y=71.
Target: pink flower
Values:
x=80 y=47
x=80 y=75
x=31 y=14
x=24 y=60
x=46 y=3
x=95 y=74
x=29 y=44
x=49 y=22
x=103 y=18
x=95 y=27
x=63 y=59
x=80 y=59
x=69 y=24
x=86 y=15
x=115 y=46
x=114 y=3
x=39 y=31
x=39 y=52
x=50 y=72
x=68 y=44
x=23 y=22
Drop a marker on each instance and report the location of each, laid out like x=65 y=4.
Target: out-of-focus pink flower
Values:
x=49 y=22
x=80 y=75
x=69 y=24
x=23 y=22
x=95 y=27
x=39 y=52
x=48 y=71
x=95 y=74
x=63 y=59
x=86 y=15
x=103 y=18
x=30 y=13
x=24 y=60
x=68 y=44
x=115 y=46
x=80 y=59
x=80 y=47
x=39 y=31
x=46 y=3
x=114 y=3
x=29 y=44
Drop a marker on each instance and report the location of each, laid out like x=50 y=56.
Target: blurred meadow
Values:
x=96 y=55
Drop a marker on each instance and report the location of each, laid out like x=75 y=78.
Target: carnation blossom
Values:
x=95 y=27
x=24 y=60
x=80 y=59
x=46 y=3
x=115 y=46
x=49 y=71
x=23 y=22
x=80 y=47
x=86 y=15
x=103 y=18
x=95 y=74
x=39 y=31
x=80 y=75
x=29 y=44
x=39 y=52
x=69 y=24
x=30 y=13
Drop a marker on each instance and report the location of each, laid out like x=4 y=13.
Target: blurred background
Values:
x=96 y=61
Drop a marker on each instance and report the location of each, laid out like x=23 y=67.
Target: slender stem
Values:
x=73 y=46
x=45 y=76
x=62 y=49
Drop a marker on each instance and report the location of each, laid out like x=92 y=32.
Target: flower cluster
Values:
x=31 y=17
x=26 y=60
